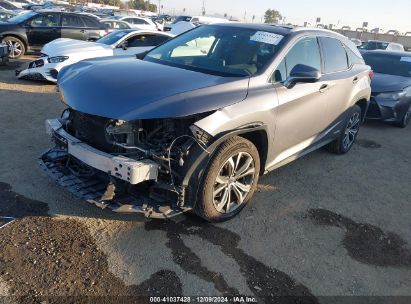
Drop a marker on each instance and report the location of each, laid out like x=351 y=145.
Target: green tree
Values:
x=142 y=5
x=272 y=16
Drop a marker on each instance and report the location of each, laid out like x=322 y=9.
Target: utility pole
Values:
x=203 y=10
x=159 y=7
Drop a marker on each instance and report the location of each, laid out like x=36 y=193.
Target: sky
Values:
x=394 y=14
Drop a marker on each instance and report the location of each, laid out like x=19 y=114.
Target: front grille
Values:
x=91 y=130
x=36 y=64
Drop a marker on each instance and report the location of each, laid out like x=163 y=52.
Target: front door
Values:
x=300 y=115
x=42 y=29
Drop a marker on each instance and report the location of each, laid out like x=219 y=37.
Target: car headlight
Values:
x=57 y=59
x=392 y=95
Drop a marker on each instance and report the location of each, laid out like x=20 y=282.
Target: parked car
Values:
x=391 y=87
x=372 y=45
x=138 y=22
x=63 y=52
x=113 y=25
x=21 y=3
x=357 y=42
x=172 y=132
x=6 y=15
x=169 y=26
x=32 y=30
x=8 y=5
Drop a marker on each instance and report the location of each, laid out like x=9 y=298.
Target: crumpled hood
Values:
x=129 y=89
x=65 y=46
x=389 y=83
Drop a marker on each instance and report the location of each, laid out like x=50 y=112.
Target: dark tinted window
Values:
x=91 y=22
x=71 y=21
x=391 y=65
x=140 y=21
x=8 y=6
x=306 y=52
x=45 y=20
x=334 y=55
x=146 y=40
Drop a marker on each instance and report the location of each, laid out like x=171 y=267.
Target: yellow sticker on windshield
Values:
x=267 y=37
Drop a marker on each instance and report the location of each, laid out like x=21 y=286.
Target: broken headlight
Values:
x=57 y=59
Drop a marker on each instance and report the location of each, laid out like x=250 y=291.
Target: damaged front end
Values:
x=130 y=167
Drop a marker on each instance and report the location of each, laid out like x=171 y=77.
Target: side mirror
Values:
x=302 y=73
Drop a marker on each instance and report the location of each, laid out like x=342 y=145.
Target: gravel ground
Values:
x=321 y=227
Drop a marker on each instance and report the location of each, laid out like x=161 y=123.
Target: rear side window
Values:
x=91 y=22
x=353 y=58
x=146 y=40
x=71 y=21
x=306 y=52
x=334 y=55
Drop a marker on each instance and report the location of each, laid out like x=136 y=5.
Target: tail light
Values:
x=371 y=75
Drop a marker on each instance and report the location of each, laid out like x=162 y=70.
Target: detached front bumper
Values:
x=95 y=182
x=40 y=69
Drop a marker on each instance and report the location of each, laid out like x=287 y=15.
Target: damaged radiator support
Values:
x=103 y=193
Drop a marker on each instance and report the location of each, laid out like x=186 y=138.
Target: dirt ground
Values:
x=324 y=228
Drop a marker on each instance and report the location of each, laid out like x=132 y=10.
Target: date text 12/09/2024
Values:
x=235 y=299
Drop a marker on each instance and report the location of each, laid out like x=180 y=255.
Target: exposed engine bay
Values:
x=161 y=147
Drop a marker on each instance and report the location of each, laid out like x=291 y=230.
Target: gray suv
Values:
x=192 y=124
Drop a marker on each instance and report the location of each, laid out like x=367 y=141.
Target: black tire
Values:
x=234 y=148
x=405 y=121
x=17 y=48
x=340 y=145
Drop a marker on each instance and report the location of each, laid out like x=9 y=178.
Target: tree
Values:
x=142 y=5
x=272 y=16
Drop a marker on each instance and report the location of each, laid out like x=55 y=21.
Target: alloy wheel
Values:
x=15 y=48
x=351 y=131
x=407 y=118
x=233 y=182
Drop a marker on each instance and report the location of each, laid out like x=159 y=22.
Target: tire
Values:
x=346 y=139
x=220 y=185
x=405 y=121
x=16 y=47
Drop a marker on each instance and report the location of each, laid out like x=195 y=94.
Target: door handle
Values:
x=82 y=31
x=324 y=88
x=355 y=80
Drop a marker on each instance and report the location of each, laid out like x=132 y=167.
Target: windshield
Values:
x=374 y=45
x=22 y=17
x=390 y=65
x=221 y=50
x=112 y=38
x=181 y=18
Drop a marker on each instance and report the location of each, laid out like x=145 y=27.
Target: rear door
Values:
x=93 y=30
x=73 y=27
x=340 y=77
x=43 y=28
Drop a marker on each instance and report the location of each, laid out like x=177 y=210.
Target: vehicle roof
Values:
x=389 y=53
x=281 y=29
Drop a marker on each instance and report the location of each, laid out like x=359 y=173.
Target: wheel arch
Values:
x=363 y=104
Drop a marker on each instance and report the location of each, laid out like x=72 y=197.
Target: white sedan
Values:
x=63 y=52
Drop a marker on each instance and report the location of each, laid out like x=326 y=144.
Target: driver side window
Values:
x=306 y=52
x=46 y=20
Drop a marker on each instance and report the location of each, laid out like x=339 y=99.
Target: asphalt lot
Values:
x=324 y=225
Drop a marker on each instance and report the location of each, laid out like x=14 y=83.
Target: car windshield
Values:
x=374 y=45
x=220 y=50
x=22 y=17
x=390 y=65
x=181 y=18
x=112 y=38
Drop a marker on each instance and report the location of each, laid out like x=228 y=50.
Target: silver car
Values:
x=193 y=124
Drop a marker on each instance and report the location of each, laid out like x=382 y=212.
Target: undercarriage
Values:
x=129 y=167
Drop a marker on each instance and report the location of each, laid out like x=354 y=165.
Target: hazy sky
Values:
x=394 y=14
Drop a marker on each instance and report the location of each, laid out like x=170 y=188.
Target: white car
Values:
x=138 y=22
x=63 y=52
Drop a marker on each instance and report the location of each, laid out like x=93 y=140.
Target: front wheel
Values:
x=16 y=47
x=230 y=180
x=346 y=139
x=406 y=120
